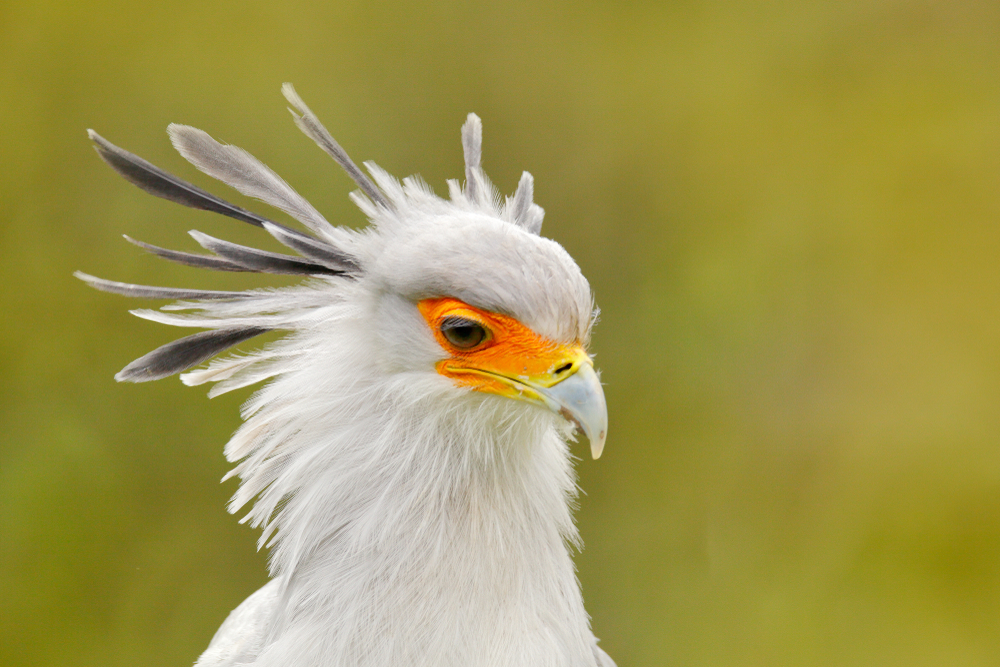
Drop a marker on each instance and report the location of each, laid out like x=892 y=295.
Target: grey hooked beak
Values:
x=580 y=399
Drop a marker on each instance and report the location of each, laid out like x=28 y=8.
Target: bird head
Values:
x=488 y=309
x=461 y=297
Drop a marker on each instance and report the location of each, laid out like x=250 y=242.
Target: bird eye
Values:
x=462 y=333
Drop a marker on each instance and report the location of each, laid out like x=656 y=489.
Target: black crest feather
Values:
x=316 y=255
x=184 y=353
x=187 y=258
x=155 y=181
x=327 y=255
x=262 y=261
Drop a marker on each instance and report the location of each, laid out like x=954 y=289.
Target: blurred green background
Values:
x=790 y=214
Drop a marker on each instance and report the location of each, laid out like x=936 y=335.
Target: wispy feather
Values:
x=284 y=320
x=219 y=369
x=150 y=292
x=245 y=376
x=224 y=369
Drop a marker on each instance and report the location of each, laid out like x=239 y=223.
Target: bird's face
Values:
x=496 y=325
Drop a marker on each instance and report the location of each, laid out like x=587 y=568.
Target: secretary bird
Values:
x=407 y=461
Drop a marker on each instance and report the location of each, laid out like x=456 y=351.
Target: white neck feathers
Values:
x=410 y=524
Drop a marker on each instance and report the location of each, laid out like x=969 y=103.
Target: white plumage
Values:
x=415 y=490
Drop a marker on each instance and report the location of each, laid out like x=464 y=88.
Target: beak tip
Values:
x=597 y=445
x=580 y=400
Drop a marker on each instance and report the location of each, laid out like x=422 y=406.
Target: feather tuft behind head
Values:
x=331 y=255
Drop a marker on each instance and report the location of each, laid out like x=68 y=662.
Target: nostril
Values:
x=563 y=368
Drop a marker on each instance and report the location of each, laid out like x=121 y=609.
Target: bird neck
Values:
x=414 y=534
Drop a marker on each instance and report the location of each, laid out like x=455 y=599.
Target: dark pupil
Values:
x=461 y=333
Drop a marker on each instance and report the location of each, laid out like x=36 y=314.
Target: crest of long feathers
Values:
x=331 y=259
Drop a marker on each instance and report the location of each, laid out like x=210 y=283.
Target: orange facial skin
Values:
x=510 y=360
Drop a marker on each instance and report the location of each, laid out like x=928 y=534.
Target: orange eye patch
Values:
x=507 y=359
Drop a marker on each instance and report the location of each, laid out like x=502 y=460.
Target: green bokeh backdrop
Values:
x=790 y=214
